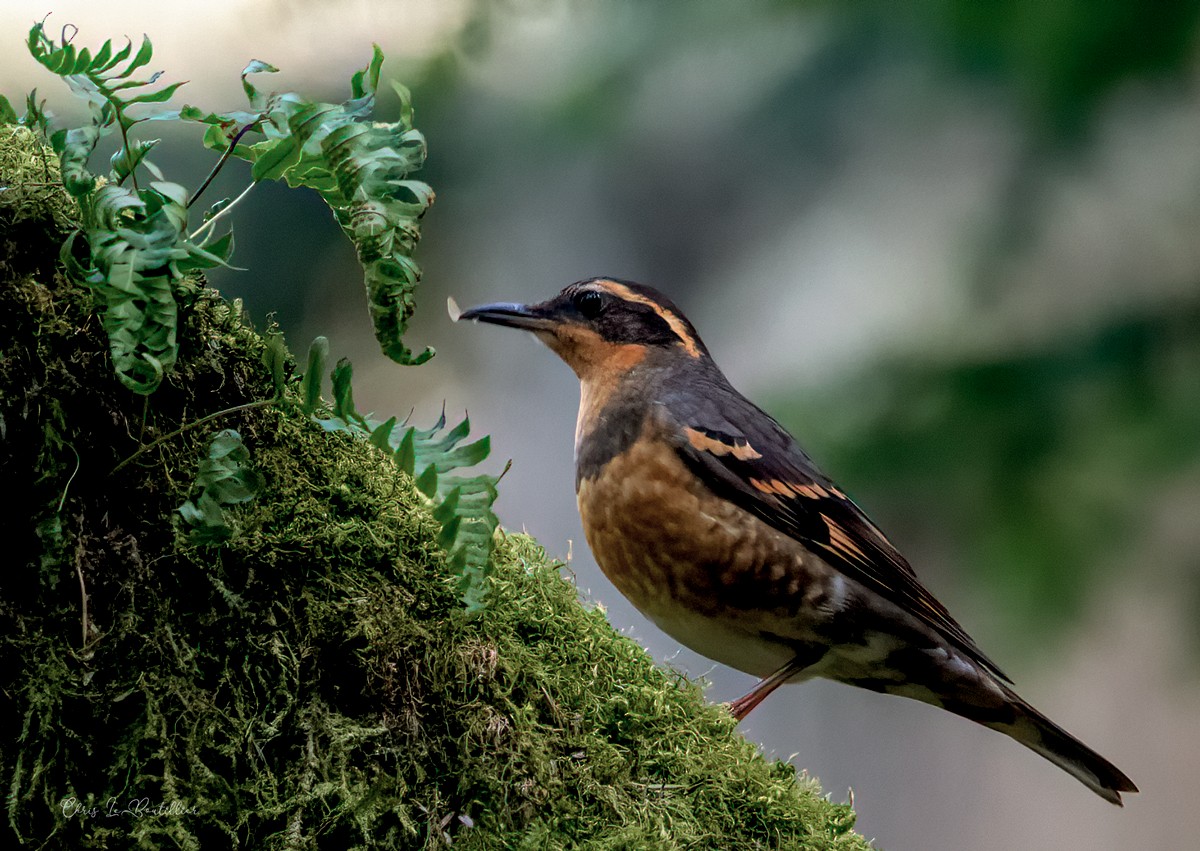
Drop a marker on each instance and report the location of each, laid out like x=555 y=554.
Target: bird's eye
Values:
x=589 y=303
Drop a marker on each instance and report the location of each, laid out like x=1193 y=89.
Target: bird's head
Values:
x=602 y=326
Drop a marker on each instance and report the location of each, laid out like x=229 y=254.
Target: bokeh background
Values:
x=954 y=246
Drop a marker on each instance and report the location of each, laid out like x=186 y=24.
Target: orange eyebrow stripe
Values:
x=702 y=442
x=676 y=324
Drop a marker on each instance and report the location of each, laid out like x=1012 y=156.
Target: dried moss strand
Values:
x=83 y=597
x=63 y=499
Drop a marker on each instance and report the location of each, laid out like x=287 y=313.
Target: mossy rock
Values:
x=313 y=682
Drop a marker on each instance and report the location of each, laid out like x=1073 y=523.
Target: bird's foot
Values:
x=741 y=707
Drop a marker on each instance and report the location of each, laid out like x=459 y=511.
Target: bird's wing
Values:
x=749 y=459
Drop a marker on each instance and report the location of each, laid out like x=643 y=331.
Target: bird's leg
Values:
x=742 y=706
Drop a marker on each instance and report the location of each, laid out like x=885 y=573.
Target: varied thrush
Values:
x=707 y=515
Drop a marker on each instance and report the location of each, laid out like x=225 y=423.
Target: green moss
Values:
x=314 y=682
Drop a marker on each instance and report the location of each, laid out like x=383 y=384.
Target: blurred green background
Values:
x=954 y=246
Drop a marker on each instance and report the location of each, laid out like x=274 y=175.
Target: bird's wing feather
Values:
x=748 y=458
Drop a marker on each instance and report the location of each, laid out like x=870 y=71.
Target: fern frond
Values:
x=106 y=81
x=224 y=478
x=461 y=504
x=360 y=166
x=138 y=247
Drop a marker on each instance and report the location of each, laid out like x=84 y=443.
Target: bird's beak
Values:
x=525 y=316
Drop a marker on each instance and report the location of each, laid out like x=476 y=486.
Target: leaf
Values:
x=343 y=394
x=82 y=62
x=276 y=358
x=142 y=58
x=426 y=482
x=405 y=456
x=431 y=457
x=8 y=115
x=361 y=167
x=462 y=505
x=310 y=386
x=116 y=60
x=466 y=456
x=74 y=148
x=226 y=443
x=216 y=138
x=37 y=116
x=255 y=67
x=123 y=162
x=366 y=81
x=219 y=249
x=224 y=478
x=172 y=192
x=100 y=80
x=102 y=57
x=223 y=127
x=161 y=96
x=272 y=159
x=381 y=435
x=138 y=246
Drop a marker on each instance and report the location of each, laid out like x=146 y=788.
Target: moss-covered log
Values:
x=313 y=682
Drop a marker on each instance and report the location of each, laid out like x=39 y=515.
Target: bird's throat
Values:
x=600 y=379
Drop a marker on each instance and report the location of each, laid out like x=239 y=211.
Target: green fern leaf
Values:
x=361 y=167
x=224 y=478
x=462 y=505
x=138 y=246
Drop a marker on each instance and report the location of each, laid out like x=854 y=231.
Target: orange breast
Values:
x=677 y=551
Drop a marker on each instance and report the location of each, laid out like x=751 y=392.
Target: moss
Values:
x=314 y=682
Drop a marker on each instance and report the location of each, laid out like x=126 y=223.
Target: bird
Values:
x=707 y=515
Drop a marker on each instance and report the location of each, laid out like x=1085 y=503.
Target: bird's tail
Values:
x=974 y=693
x=1041 y=735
